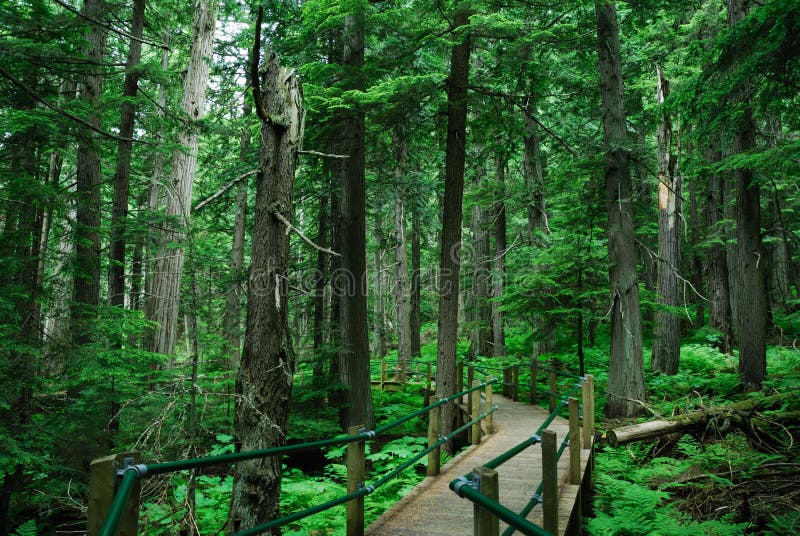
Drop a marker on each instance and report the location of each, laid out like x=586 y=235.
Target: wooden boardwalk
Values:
x=433 y=509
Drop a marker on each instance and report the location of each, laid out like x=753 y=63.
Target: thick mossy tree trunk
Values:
x=625 y=388
x=122 y=176
x=264 y=382
x=666 y=339
x=749 y=303
x=450 y=254
x=354 y=353
x=165 y=292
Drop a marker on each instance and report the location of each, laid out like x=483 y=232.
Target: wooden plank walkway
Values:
x=433 y=509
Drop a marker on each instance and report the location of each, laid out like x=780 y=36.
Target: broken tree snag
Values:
x=264 y=381
x=737 y=413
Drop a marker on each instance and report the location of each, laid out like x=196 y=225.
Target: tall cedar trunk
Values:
x=233 y=298
x=747 y=277
x=354 y=353
x=264 y=382
x=697 y=261
x=86 y=286
x=339 y=284
x=379 y=309
x=415 y=274
x=122 y=177
x=450 y=254
x=164 y=298
x=781 y=292
x=533 y=169
x=401 y=287
x=481 y=276
x=719 y=300
x=318 y=327
x=146 y=234
x=625 y=374
x=666 y=339
x=499 y=276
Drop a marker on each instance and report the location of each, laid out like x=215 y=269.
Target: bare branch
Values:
x=227 y=186
x=325 y=155
x=108 y=26
x=291 y=227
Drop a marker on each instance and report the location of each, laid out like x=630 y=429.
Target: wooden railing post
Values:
x=588 y=411
x=534 y=369
x=475 y=411
x=574 y=443
x=515 y=383
x=356 y=472
x=489 y=403
x=102 y=486
x=506 y=381
x=434 y=457
x=428 y=385
x=485 y=523
x=552 y=388
x=470 y=374
x=550 y=481
x=383 y=372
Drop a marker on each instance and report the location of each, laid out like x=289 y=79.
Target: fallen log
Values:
x=688 y=421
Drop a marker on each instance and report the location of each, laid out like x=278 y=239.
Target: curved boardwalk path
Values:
x=433 y=509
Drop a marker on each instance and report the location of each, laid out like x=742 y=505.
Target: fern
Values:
x=26 y=529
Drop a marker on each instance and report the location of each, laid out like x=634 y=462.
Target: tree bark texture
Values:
x=719 y=300
x=749 y=303
x=450 y=254
x=533 y=169
x=481 y=275
x=122 y=176
x=321 y=277
x=666 y=339
x=86 y=286
x=233 y=297
x=163 y=302
x=401 y=288
x=416 y=238
x=500 y=245
x=625 y=375
x=379 y=308
x=264 y=382
x=354 y=353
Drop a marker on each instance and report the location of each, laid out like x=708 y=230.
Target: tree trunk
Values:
x=122 y=177
x=498 y=329
x=415 y=274
x=164 y=299
x=86 y=286
x=533 y=169
x=401 y=288
x=354 y=354
x=625 y=375
x=233 y=298
x=318 y=327
x=747 y=278
x=719 y=305
x=379 y=309
x=450 y=253
x=264 y=382
x=697 y=261
x=666 y=339
x=481 y=276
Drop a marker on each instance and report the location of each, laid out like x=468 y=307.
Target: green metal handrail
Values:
x=519 y=523
x=135 y=472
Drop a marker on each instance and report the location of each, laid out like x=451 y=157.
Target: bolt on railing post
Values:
x=356 y=472
x=486 y=523
x=534 y=369
x=434 y=457
x=574 y=443
x=550 y=481
x=102 y=487
x=475 y=411
x=588 y=411
x=552 y=388
x=489 y=403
